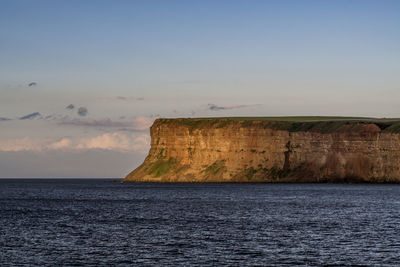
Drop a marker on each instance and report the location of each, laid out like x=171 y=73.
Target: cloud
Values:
x=30 y=116
x=32 y=84
x=140 y=123
x=55 y=117
x=214 y=107
x=82 y=111
x=116 y=141
x=70 y=106
x=130 y=98
x=4 y=119
x=141 y=143
x=22 y=144
x=106 y=122
x=61 y=144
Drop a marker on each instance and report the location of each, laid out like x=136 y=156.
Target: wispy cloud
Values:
x=30 y=116
x=105 y=122
x=32 y=84
x=70 y=107
x=55 y=117
x=82 y=111
x=140 y=123
x=129 y=98
x=116 y=141
x=214 y=107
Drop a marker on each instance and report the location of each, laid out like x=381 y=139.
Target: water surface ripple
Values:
x=61 y=222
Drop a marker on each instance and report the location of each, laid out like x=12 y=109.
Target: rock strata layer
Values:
x=235 y=150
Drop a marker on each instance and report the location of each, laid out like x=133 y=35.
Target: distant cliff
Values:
x=297 y=149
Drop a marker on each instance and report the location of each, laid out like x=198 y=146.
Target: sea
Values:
x=103 y=222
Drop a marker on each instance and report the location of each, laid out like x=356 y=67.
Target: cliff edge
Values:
x=280 y=149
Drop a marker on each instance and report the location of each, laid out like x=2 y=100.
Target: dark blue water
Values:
x=102 y=223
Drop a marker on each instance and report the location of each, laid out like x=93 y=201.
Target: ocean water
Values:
x=97 y=222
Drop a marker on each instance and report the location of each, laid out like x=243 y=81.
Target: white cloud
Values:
x=61 y=144
x=116 y=141
x=22 y=144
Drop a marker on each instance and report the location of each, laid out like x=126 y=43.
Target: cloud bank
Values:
x=116 y=141
x=140 y=123
x=129 y=98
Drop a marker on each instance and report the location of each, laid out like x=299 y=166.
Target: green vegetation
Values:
x=246 y=123
x=394 y=128
x=223 y=123
x=161 y=167
x=320 y=124
x=181 y=168
x=197 y=123
x=215 y=168
x=263 y=174
x=161 y=154
x=299 y=118
x=277 y=173
x=249 y=173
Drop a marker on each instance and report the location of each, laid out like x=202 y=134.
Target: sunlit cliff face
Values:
x=257 y=151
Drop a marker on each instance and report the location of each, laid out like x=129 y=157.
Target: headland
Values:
x=272 y=149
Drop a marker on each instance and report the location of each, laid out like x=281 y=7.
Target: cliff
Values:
x=297 y=149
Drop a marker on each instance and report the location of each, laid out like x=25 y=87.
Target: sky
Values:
x=82 y=81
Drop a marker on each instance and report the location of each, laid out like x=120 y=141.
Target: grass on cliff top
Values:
x=324 y=124
x=284 y=119
x=298 y=118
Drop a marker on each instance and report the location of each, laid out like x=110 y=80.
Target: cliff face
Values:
x=234 y=150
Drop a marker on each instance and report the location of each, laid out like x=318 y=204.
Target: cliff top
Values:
x=327 y=124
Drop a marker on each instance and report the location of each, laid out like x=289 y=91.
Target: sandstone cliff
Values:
x=257 y=150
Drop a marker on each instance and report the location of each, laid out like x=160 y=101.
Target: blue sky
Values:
x=129 y=62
